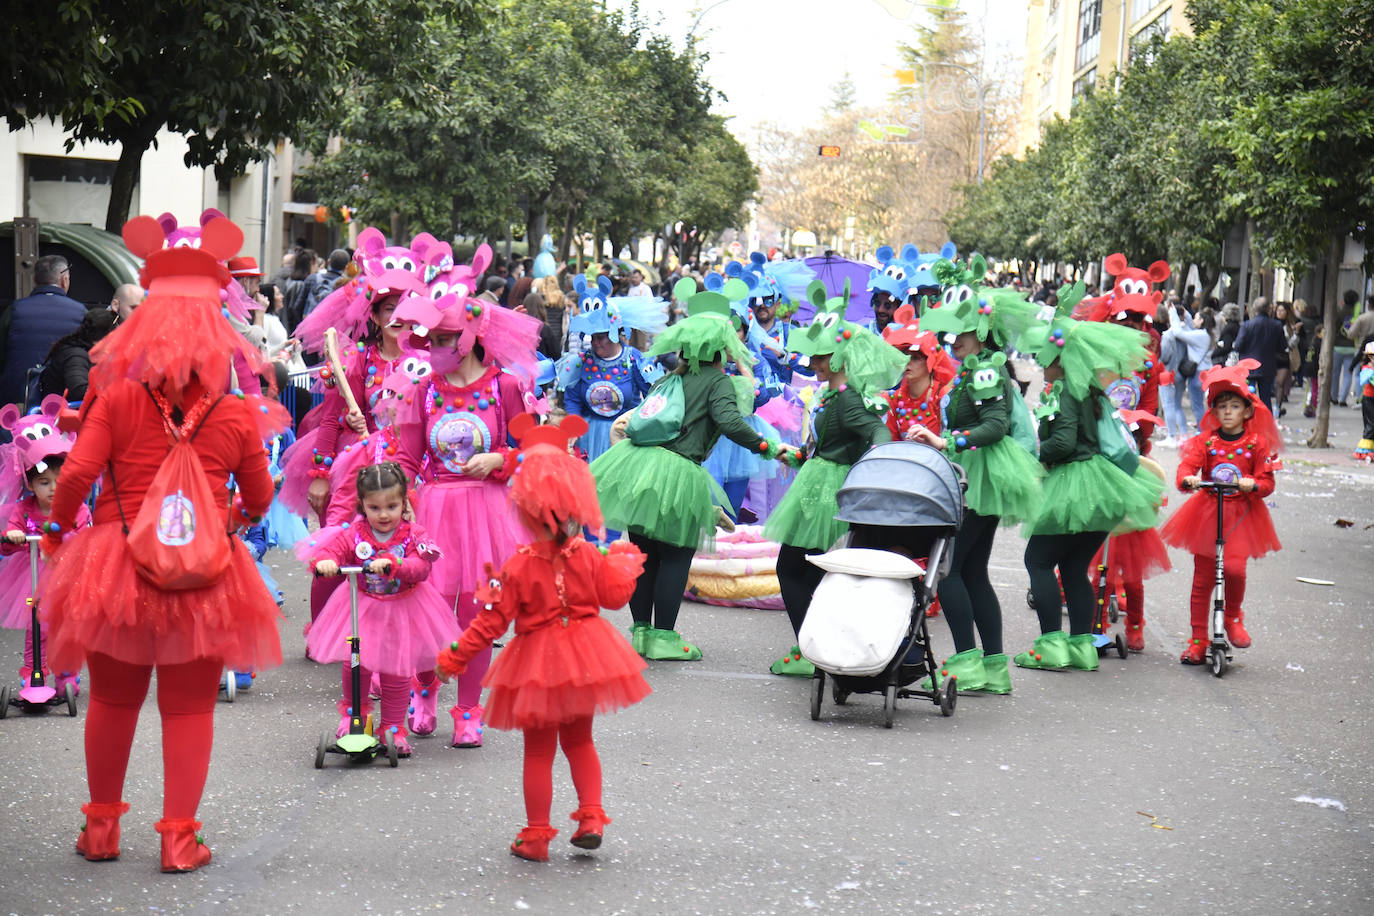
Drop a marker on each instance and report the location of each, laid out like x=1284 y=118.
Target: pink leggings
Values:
x=395 y=695
x=470 y=682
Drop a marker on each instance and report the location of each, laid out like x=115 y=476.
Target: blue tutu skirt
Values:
x=729 y=461
x=597 y=438
x=268 y=580
x=283 y=527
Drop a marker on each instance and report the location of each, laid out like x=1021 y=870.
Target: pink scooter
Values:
x=36 y=696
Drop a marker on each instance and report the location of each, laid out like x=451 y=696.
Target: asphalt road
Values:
x=1256 y=789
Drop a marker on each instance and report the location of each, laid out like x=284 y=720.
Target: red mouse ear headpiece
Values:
x=186 y=270
x=528 y=432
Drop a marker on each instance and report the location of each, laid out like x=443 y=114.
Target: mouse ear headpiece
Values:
x=550 y=487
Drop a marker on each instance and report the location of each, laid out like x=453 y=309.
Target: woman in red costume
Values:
x=916 y=401
x=149 y=379
x=566 y=663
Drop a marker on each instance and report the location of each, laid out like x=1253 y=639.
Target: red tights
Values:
x=186 y=697
x=1204 y=580
x=540 y=746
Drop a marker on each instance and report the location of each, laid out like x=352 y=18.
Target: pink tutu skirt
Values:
x=296 y=463
x=557 y=674
x=14 y=591
x=400 y=634
x=473 y=522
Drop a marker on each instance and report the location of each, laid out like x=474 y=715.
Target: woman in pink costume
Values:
x=452 y=431
x=402 y=621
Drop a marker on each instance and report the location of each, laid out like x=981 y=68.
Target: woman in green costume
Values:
x=1086 y=495
x=1003 y=475
x=659 y=493
x=857 y=366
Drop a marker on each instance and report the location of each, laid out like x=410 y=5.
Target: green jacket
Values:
x=845 y=428
x=982 y=424
x=1069 y=435
x=710 y=411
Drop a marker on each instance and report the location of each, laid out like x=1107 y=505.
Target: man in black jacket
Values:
x=36 y=322
x=1262 y=338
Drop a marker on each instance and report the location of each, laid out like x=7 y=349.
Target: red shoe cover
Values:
x=1135 y=637
x=591 y=823
x=182 y=847
x=1236 y=632
x=99 y=837
x=533 y=843
x=1195 y=653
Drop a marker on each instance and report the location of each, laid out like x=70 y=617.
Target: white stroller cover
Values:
x=858 y=617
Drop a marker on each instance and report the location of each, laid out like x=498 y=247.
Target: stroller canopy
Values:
x=902 y=484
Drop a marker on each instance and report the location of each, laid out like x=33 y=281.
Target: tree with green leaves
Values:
x=232 y=76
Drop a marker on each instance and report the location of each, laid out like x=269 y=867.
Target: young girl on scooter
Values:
x=402 y=620
x=1238 y=445
x=566 y=662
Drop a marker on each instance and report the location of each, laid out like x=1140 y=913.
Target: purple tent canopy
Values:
x=833 y=271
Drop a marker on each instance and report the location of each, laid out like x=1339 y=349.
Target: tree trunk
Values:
x=126 y=175
x=537 y=224
x=1330 y=315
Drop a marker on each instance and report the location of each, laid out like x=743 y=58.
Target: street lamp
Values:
x=691 y=33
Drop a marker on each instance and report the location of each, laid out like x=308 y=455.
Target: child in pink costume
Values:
x=402 y=620
x=566 y=663
x=28 y=479
x=451 y=430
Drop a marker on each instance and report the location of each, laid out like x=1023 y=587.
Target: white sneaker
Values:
x=1168 y=442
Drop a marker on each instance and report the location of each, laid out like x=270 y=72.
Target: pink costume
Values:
x=403 y=622
x=16 y=582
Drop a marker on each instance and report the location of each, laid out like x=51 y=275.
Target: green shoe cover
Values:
x=667 y=645
x=1083 y=652
x=965 y=667
x=1051 y=651
x=793 y=664
x=639 y=637
x=997 y=677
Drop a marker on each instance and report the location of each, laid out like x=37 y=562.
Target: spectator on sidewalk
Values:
x=35 y=323
x=1263 y=338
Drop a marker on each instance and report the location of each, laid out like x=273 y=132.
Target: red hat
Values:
x=550 y=486
x=905 y=334
x=1235 y=380
x=244 y=267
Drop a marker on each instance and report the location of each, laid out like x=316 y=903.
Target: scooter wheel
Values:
x=320 y=750
x=1218 y=662
x=391 y=755
x=1120 y=646
x=817 y=694
x=4 y=701
x=230 y=685
x=948 y=697
x=1113 y=612
x=69 y=692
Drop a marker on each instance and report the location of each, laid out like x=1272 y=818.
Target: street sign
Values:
x=829 y=152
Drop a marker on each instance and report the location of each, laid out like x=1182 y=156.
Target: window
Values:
x=1140 y=7
x=1084 y=84
x=66 y=189
x=1089 y=30
x=1140 y=41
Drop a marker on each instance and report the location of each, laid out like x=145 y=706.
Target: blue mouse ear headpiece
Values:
x=593 y=317
x=604 y=286
x=734 y=269
x=756 y=260
x=714 y=282
x=639 y=313
x=790 y=278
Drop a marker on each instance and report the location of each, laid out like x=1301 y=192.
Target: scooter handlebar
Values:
x=1218 y=486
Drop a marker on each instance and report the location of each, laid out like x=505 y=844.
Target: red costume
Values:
x=566 y=663
x=906 y=410
x=1213 y=455
x=178 y=348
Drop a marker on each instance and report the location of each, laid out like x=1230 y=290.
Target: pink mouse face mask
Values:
x=36 y=437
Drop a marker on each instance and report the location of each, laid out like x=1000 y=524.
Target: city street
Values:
x=1144 y=787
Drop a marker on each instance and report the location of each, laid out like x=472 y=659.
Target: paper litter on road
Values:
x=1292 y=667
x=1310 y=581
x=1321 y=802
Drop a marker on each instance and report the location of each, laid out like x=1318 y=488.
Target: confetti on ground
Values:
x=1154 y=821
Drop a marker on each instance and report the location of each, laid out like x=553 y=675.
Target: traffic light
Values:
x=829 y=152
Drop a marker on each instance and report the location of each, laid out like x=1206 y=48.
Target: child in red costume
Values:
x=166 y=368
x=566 y=663
x=1238 y=444
x=402 y=620
x=916 y=401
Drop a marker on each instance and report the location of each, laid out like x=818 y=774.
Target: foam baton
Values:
x=331 y=355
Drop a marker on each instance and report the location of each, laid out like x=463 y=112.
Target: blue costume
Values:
x=600 y=390
x=770 y=284
x=281 y=527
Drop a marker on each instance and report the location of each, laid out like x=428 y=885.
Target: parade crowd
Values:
x=455 y=447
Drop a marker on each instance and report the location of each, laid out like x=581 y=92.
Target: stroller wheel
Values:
x=1030 y=599
x=840 y=697
x=817 y=694
x=948 y=697
x=889 y=705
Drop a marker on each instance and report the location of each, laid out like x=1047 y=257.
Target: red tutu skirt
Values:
x=1135 y=556
x=398 y=635
x=472 y=522
x=94 y=600
x=1246 y=524
x=557 y=674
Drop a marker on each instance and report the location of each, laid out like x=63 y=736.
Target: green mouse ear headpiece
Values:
x=870 y=365
x=1090 y=352
x=707 y=332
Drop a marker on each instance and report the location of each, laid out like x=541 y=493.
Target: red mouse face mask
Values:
x=1133 y=294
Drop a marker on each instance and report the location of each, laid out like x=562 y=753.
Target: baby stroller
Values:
x=866 y=626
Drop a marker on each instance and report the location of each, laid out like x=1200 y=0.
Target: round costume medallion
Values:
x=1124 y=393
x=456 y=437
x=605 y=399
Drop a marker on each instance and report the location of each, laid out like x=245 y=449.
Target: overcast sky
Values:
x=776 y=60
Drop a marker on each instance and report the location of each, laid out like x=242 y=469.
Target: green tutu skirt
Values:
x=656 y=493
x=1095 y=495
x=806 y=515
x=1003 y=481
